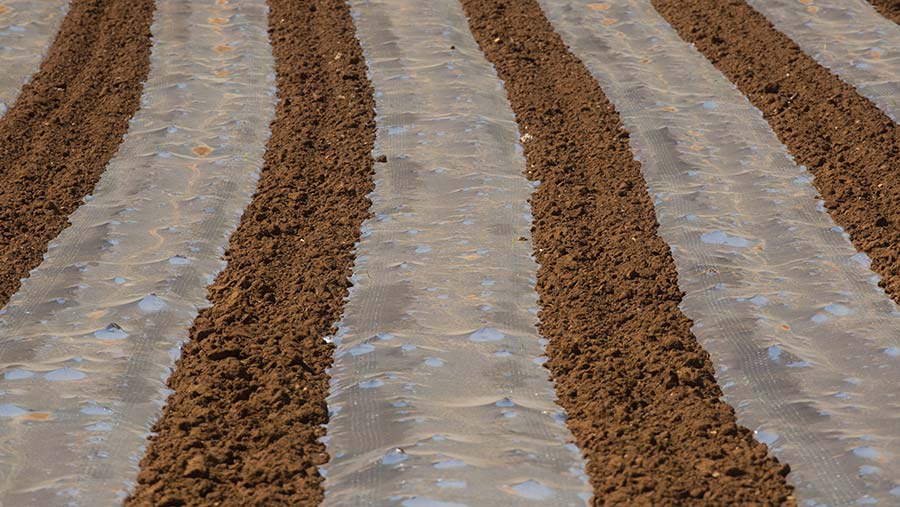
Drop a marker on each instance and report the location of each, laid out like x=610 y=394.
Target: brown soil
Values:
x=243 y=425
x=844 y=139
x=639 y=390
x=66 y=125
x=888 y=8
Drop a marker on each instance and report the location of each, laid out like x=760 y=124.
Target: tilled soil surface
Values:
x=243 y=426
x=888 y=8
x=639 y=390
x=66 y=125
x=849 y=145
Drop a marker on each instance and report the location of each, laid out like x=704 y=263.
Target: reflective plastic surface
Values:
x=88 y=341
x=27 y=28
x=438 y=395
x=806 y=345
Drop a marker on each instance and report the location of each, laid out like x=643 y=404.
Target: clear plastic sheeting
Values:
x=850 y=38
x=438 y=395
x=27 y=28
x=806 y=345
x=88 y=341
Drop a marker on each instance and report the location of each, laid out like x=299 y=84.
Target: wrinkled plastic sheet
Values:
x=27 y=28
x=438 y=396
x=806 y=345
x=848 y=37
x=87 y=343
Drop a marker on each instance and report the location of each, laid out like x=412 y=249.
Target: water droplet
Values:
x=10 y=410
x=64 y=374
x=362 y=348
x=869 y=470
x=774 y=353
x=446 y=483
x=767 y=437
x=449 y=463
x=395 y=456
x=434 y=362
x=17 y=374
x=111 y=332
x=95 y=410
x=151 y=303
x=371 y=384
x=722 y=238
x=759 y=300
x=532 y=490
x=505 y=403
x=867 y=452
x=179 y=260
x=838 y=309
x=486 y=334
x=819 y=318
x=100 y=426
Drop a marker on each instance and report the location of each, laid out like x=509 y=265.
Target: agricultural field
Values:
x=449 y=253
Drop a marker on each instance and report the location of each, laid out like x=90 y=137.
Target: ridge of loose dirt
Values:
x=639 y=390
x=66 y=125
x=887 y=8
x=243 y=426
x=843 y=138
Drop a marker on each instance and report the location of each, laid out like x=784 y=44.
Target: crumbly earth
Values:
x=243 y=425
x=66 y=125
x=639 y=390
x=888 y=8
x=843 y=138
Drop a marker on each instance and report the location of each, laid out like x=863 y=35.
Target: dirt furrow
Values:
x=888 y=8
x=841 y=137
x=66 y=125
x=243 y=425
x=639 y=390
